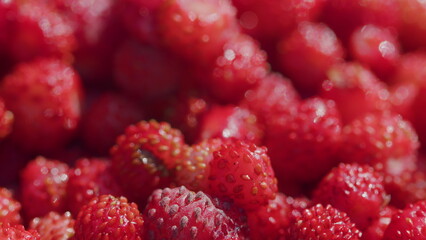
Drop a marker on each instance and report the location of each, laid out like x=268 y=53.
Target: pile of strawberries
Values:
x=213 y=119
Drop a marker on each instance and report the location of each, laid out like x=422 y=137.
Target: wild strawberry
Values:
x=144 y=156
x=407 y=188
x=108 y=217
x=106 y=119
x=134 y=60
x=313 y=46
x=44 y=96
x=303 y=144
x=178 y=213
x=9 y=208
x=323 y=223
x=243 y=172
x=409 y=223
x=354 y=189
x=17 y=232
x=377 y=48
x=377 y=228
x=43 y=187
x=402 y=98
x=230 y=122
x=273 y=95
x=90 y=178
x=355 y=90
x=54 y=226
x=273 y=218
x=239 y=67
x=196 y=30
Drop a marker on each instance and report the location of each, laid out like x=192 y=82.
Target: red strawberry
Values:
x=239 y=67
x=144 y=156
x=310 y=46
x=409 y=223
x=106 y=119
x=273 y=219
x=196 y=29
x=194 y=169
x=9 y=208
x=54 y=226
x=6 y=120
x=230 y=122
x=354 y=189
x=323 y=223
x=243 y=172
x=418 y=116
x=407 y=188
x=178 y=213
x=17 y=232
x=355 y=90
x=413 y=17
x=108 y=217
x=44 y=96
x=378 y=227
x=303 y=143
x=43 y=187
x=90 y=178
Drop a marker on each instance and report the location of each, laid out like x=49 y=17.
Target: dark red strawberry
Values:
x=354 y=189
x=378 y=227
x=108 y=217
x=54 y=226
x=178 y=213
x=243 y=172
x=9 y=208
x=17 y=232
x=323 y=223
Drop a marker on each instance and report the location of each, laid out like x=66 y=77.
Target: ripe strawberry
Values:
x=230 y=122
x=323 y=223
x=43 y=187
x=243 y=172
x=17 y=232
x=194 y=169
x=9 y=208
x=378 y=227
x=137 y=67
x=273 y=219
x=355 y=90
x=273 y=95
x=54 y=226
x=108 y=217
x=310 y=46
x=90 y=178
x=407 y=188
x=106 y=119
x=402 y=98
x=144 y=156
x=178 y=213
x=354 y=189
x=303 y=144
x=409 y=223
x=413 y=17
x=196 y=30
x=418 y=117
x=239 y=67
x=44 y=96
x=6 y=120
x=377 y=48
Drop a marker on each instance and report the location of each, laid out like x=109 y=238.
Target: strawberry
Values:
x=407 y=188
x=418 y=117
x=178 y=213
x=106 y=119
x=90 y=178
x=409 y=223
x=43 y=184
x=378 y=227
x=313 y=46
x=108 y=217
x=303 y=144
x=243 y=172
x=194 y=169
x=413 y=16
x=54 y=226
x=6 y=120
x=144 y=156
x=355 y=90
x=323 y=223
x=45 y=97
x=17 y=232
x=9 y=208
x=354 y=189
x=230 y=122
